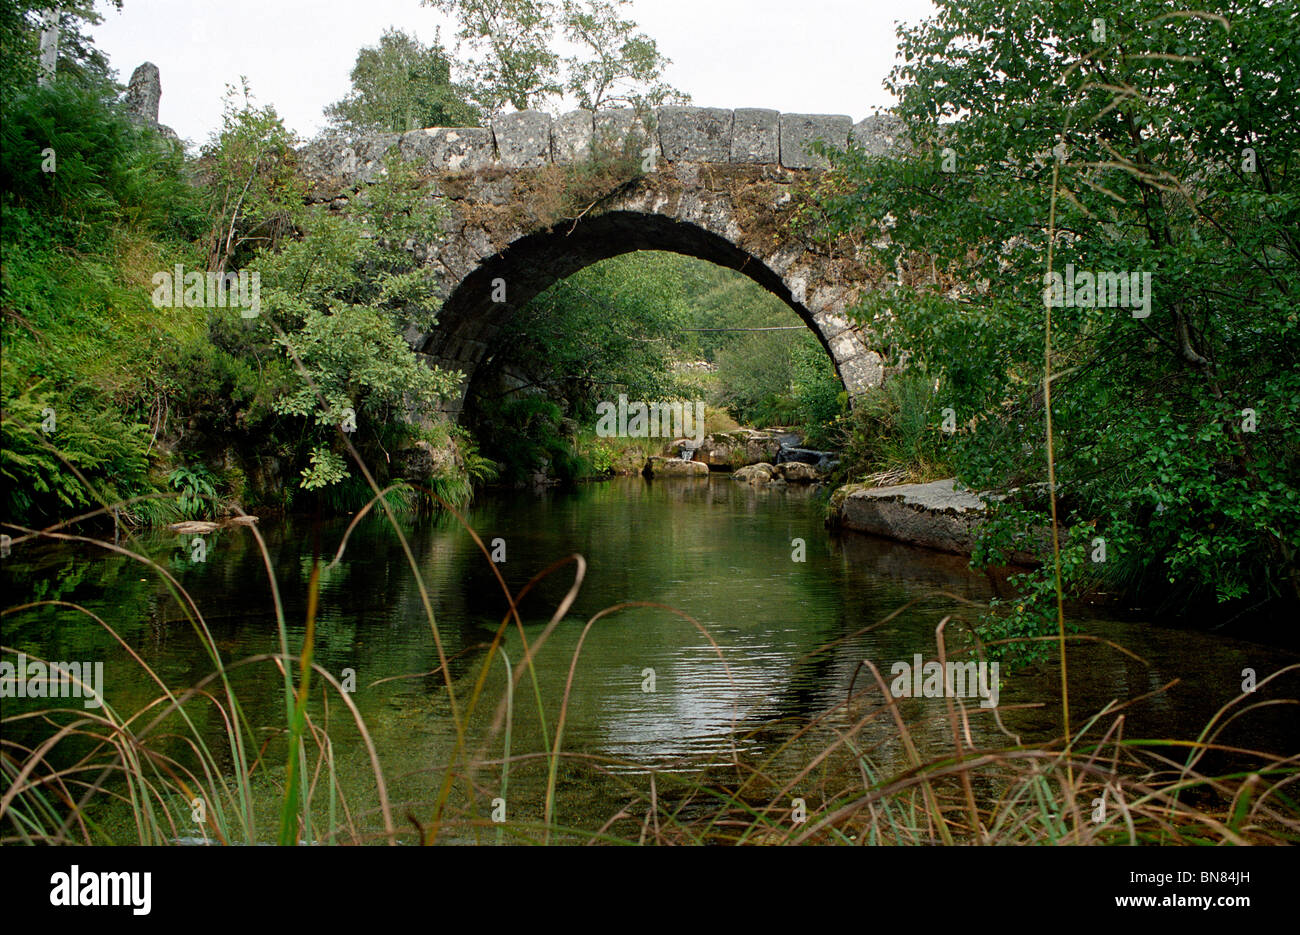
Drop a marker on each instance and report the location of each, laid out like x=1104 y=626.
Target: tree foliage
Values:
x=1117 y=137
x=20 y=29
x=516 y=62
x=402 y=84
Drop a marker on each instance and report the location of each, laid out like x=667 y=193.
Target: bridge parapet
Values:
x=527 y=139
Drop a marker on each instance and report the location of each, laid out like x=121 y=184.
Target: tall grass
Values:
x=894 y=435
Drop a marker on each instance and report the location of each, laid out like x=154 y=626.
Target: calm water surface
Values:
x=716 y=550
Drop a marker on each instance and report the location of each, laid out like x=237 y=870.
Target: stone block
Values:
x=523 y=139
x=880 y=134
x=756 y=136
x=454 y=149
x=571 y=137
x=799 y=130
x=613 y=127
x=695 y=134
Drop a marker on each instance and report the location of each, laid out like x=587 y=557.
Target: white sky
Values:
x=805 y=56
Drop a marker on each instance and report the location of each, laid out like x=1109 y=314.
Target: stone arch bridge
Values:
x=720 y=186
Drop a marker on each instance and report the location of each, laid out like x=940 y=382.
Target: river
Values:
x=778 y=638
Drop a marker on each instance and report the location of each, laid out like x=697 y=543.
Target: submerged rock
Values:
x=200 y=527
x=193 y=527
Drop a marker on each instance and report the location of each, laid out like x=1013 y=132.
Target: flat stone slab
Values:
x=934 y=515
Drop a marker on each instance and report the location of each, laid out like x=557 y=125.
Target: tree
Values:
x=20 y=27
x=1106 y=138
x=618 y=66
x=517 y=64
x=402 y=84
x=338 y=297
x=249 y=172
x=513 y=39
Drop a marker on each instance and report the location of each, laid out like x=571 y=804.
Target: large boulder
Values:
x=422 y=460
x=796 y=472
x=674 y=467
x=757 y=474
x=935 y=515
x=728 y=451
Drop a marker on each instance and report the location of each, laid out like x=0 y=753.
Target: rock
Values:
x=797 y=472
x=862 y=372
x=756 y=474
x=934 y=515
x=193 y=527
x=628 y=462
x=458 y=149
x=659 y=466
x=571 y=137
x=523 y=138
x=143 y=94
x=735 y=449
x=695 y=134
x=422 y=460
x=798 y=130
x=756 y=136
x=880 y=134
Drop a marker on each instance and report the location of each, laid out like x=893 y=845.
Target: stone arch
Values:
x=716 y=184
x=470 y=320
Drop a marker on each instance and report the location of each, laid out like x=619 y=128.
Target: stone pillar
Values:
x=143 y=93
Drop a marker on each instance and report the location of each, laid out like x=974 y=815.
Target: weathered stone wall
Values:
x=527 y=139
x=721 y=185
